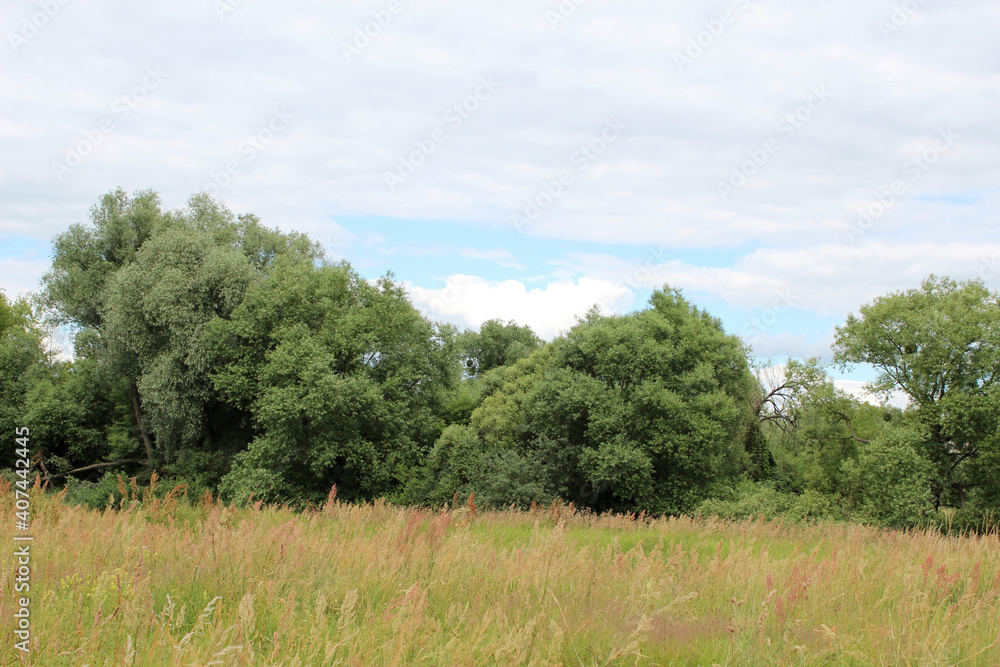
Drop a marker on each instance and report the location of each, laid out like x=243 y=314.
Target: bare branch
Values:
x=847 y=422
x=95 y=466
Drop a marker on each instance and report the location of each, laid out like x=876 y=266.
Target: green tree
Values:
x=639 y=411
x=140 y=285
x=345 y=381
x=890 y=482
x=157 y=308
x=496 y=344
x=15 y=315
x=86 y=259
x=79 y=415
x=671 y=417
x=813 y=427
x=22 y=359
x=940 y=345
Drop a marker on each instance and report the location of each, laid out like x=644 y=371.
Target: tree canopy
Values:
x=140 y=284
x=344 y=380
x=940 y=345
x=496 y=344
x=237 y=358
x=22 y=359
x=624 y=412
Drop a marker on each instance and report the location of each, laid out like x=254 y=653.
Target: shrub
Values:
x=752 y=499
x=891 y=483
x=95 y=495
x=462 y=463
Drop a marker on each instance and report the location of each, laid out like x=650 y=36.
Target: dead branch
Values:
x=95 y=466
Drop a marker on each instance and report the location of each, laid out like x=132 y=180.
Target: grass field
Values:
x=167 y=582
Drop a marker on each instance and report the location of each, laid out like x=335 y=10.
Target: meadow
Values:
x=159 y=580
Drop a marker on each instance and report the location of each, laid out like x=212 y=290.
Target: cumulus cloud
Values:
x=469 y=301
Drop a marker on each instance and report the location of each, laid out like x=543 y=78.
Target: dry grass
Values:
x=164 y=582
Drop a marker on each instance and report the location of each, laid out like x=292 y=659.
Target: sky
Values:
x=783 y=163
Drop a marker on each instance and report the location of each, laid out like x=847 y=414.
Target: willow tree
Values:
x=86 y=257
x=139 y=284
x=344 y=380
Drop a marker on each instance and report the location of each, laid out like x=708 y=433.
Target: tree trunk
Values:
x=134 y=394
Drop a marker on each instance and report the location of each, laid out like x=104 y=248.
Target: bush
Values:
x=510 y=478
x=760 y=500
x=890 y=484
x=95 y=495
x=199 y=470
x=461 y=463
x=114 y=487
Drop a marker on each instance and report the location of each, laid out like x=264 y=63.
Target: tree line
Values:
x=238 y=359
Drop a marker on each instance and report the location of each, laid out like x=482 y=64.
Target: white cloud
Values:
x=766 y=345
x=856 y=388
x=827 y=280
x=469 y=301
x=20 y=276
x=687 y=130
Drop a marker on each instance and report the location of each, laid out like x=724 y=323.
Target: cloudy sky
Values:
x=781 y=162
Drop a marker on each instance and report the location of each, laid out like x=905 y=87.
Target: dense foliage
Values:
x=342 y=381
x=645 y=410
x=940 y=345
x=237 y=359
x=22 y=361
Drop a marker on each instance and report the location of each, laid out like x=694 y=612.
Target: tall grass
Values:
x=155 y=581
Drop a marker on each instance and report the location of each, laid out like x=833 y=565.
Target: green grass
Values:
x=159 y=581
